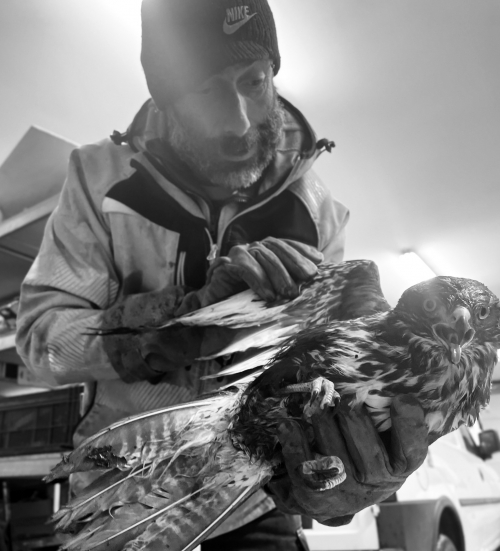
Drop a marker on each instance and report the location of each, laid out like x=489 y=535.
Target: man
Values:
x=210 y=191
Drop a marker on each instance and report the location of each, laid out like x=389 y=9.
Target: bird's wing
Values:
x=256 y=338
x=169 y=476
x=342 y=291
x=346 y=290
x=245 y=309
x=361 y=292
x=337 y=292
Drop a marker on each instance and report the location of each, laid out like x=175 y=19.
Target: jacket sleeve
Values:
x=71 y=281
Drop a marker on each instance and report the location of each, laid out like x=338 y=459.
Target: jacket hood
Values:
x=295 y=154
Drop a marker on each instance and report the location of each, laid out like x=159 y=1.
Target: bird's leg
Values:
x=322 y=392
x=324 y=472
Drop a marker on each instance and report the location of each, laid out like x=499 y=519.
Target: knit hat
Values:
x=184 y=42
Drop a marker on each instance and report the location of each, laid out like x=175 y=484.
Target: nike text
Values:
x=235 y=14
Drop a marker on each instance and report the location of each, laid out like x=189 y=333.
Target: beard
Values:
x=203 y=154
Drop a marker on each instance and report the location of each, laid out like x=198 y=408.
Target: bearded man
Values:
x=209 y=192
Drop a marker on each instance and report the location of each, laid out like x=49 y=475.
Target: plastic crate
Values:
x=39 y=423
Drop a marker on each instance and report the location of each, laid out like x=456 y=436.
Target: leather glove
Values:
x=149 y=355
x=272 y=268
x=374 y=470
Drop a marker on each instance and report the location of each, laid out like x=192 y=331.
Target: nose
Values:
x=235 y=114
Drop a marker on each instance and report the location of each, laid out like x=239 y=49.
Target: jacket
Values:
x=122 y=227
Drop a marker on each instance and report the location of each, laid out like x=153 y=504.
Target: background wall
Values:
x=408 y=90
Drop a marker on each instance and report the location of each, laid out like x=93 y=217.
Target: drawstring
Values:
x=325 y=145
x=118 y=138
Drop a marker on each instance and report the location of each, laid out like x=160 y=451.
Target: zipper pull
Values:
x=212 y=255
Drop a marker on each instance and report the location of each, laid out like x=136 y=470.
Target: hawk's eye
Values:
x=483 y=312
x=430 y=305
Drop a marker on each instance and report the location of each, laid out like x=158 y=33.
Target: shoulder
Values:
x=317 y=198
x=102 y=164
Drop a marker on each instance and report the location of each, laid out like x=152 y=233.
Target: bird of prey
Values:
x=172 y=475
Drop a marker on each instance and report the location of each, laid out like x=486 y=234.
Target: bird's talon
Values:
x=323 y=473
x=322 y=393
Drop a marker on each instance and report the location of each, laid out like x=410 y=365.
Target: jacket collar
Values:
x=294 y=157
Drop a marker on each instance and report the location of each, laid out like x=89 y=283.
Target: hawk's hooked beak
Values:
x=457 y=333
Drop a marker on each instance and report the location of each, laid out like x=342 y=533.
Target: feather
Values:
x=269 y=336
x=259 y=360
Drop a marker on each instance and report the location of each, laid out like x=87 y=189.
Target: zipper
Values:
x=224 y=226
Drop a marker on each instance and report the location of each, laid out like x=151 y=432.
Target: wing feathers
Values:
x=270 y=335
x=258 y=360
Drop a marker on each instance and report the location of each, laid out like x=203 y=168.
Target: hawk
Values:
x=171 y=476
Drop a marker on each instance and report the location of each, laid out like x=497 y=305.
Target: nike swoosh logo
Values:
x=230 y=29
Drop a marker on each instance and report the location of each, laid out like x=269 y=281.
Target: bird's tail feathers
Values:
x=183 y=500
x=111 y=488
x=146 y=437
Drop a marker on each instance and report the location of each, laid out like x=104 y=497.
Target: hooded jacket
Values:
x=124 y=225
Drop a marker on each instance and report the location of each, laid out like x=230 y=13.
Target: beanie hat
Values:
x=184 y=42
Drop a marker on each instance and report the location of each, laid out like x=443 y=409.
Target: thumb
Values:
x=408 y=435
x=295 y=447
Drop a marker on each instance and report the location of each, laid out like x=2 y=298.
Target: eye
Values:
x=256 y=82
x=483 y=312
x=430 y=305
x=253 y=86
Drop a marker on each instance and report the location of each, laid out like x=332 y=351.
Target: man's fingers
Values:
x=299 y=259
x=243 y=267
x=282 y=282
x=408 y=435
x=271 y=268
x=307 y=251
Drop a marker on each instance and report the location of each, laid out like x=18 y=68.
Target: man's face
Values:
x=228 y=129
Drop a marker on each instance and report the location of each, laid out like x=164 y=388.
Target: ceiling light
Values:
x=413 y=268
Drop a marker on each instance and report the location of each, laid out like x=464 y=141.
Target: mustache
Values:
x=238 y=145
x=266 y=134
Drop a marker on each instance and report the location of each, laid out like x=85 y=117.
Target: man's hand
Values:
x=272 y=268
x=150 y=355
x=374 y=470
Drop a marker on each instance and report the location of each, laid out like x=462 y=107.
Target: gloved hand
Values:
x=149 y=355
x=272 y=268
x=374 y=471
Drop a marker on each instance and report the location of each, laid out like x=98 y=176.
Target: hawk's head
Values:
x=455 y=312
x=452 y=326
